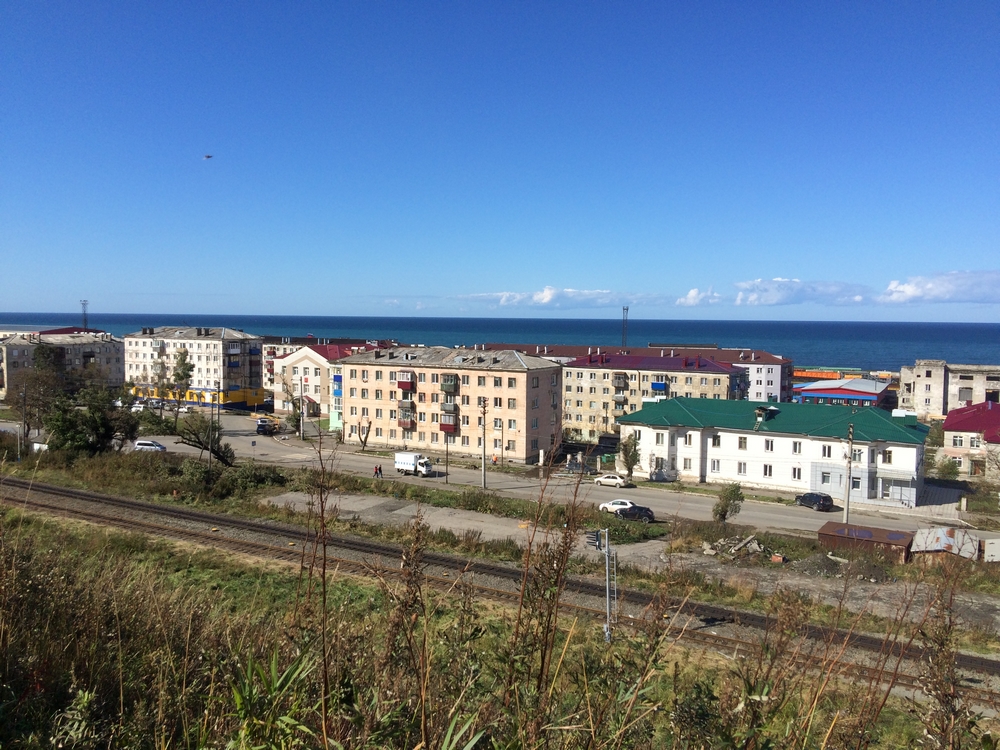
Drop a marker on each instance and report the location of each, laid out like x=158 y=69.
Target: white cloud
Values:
x=552 y=297
x=696 y=297
x=955 y=286
x=794 y=292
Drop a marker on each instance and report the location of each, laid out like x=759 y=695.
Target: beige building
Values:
x=422 y=398
x=599 y=388
x=932 y=387
x=226 y=362
x=75 y=351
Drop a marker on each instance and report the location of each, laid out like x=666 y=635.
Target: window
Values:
x=927 y=388
x=975 y=441
x=534 y=444
x=768 y=448
x=422 y=417
x=687 y=380
x=498 y=403
x=353 y=392
x=534 y=423
x=435 y=378
x=796 y=473
x=857 y=455
x=741 y=468
x=316 y=372
x=715 y=465
x=497 y=424
x=569 y=389
x=688 y=438
x=498 y=382
x=512 y=403
x=511 y=424
x=687 y=464
x=295 y=370
x=824 y=478
x=827 y=451
x=465 y=400
x=465 y=380
x=364 y=393
x=716 y=441
x=512 y=382
x=481 y=380
x=743 y=444
x=378 y=394
x=855 y=483
x=659 y=438
x=956 y=441
x=378 y=414
x=887 y=457
x=465 y=440
x=768 y=470
x=796 y=447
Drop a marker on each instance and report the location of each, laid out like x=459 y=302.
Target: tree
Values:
x=161 y=379
x=729 y=503
x=629 y=451
x=183 y=368
x=947 y=468
x=93 y=424
x=31 y=394
x=204 y=434
x=935 y=435
x=364 y=431
x=293 y=419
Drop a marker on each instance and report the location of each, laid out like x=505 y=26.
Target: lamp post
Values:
x=850 y=465
x=483 y=409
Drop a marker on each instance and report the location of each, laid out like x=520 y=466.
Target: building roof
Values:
x=329 y=352
x=812 y=420
x=741 y=357
x=59 y=339
x=191 y=332
x=445 y=357
x=658 y=364
x=983 y=418
x=861 y=386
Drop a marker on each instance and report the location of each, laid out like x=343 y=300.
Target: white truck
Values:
x=414 y=463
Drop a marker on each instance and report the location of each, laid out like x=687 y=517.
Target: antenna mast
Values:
x=84 y=303
x=624 y=327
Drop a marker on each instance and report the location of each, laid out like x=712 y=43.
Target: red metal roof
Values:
x=735 y=356
x=661 y=364
x=983 y=418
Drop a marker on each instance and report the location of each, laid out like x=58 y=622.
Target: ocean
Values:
x=868 y=345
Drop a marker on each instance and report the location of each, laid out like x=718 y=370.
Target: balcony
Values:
x=406 y=424
x=407 y=385
x=449 y=423
x=407 y=403
x=618 y=413
x=445 y=427
x=449 y=408
x=620 y=398
x=620 y=380
x=449 y=383
x=234 y=349
x=232 y=364
x=254 y=351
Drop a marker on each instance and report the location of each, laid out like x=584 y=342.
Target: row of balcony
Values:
x=408 y=422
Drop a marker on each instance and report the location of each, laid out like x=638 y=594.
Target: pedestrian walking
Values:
x=375 y=473
x=380 y=471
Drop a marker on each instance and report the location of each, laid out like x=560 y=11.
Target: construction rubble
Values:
x=738 y=548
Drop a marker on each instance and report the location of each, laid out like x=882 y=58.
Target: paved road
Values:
x=289 y=450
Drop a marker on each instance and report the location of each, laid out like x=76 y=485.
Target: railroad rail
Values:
x=295 y=540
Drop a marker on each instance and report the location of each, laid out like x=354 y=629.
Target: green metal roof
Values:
x=814 y=420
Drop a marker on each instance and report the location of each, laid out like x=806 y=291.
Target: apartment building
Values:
x=769 y=376
x=75 y=352
x=226 y=361
x=599 y=388
x=503 y=403
x=932 y=387
x=314 y=373
x=278 y=346
x=784 y=447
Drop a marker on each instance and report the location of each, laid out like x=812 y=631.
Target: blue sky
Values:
x=831 y=161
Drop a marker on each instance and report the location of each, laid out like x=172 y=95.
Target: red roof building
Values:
x=972 y=439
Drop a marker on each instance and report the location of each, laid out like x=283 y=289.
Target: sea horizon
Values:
x=870 y=345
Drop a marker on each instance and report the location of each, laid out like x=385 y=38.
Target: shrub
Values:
x=729 y=503
x=947 y=468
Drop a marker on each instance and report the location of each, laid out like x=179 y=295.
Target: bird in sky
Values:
x=207 y=156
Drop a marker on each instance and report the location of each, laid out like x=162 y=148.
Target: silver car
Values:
x=611 y=480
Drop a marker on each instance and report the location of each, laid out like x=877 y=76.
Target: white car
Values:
x=149 y=445
x=611 y=480
x=613 y=506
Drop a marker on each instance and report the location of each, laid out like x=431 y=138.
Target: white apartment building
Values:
x=76 y=351
x=784 y=447
x=226 y=361
x=425 y=398
x=932 y=387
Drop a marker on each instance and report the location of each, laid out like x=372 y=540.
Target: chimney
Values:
x=590 y=350
x=661 y=352
x=672 y=353
x=753 y=355
x=697 y=363
x=537 y=349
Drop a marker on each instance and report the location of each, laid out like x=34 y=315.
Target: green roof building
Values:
x=786 y=447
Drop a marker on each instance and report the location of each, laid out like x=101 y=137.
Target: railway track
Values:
x=292 y=545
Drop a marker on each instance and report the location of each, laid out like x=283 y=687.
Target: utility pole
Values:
x=483 y=409
x=850 y=465
x=447 y=466
x=624 y=327
x=302 y=410
x=84 y=304
x=601 y=540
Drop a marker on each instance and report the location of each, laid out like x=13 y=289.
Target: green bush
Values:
x=729 y=503
x=947 y=468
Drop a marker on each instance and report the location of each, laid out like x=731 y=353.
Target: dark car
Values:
x=574 y=467
x=636 y=513
x=815 y=500
x=266 y=429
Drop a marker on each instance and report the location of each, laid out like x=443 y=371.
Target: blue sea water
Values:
x=869 y=345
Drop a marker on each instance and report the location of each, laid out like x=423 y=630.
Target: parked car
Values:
x=184 y=409
x=153 y=403
x=574 y=467
x=266 y=428
x=149 y=445
x=815 y=500
x=611 y=480
x=639 y=513
x=614 y=505
x=138 y=407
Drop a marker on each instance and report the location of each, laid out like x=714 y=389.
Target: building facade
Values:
x=787 y=447
x=932 y=387
x=226 y=362
x=599 y=388
x=769 y=376
x=972 y=440
x=75 y=353
x=503 y=403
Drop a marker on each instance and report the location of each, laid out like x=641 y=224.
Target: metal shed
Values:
x=893 y=544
